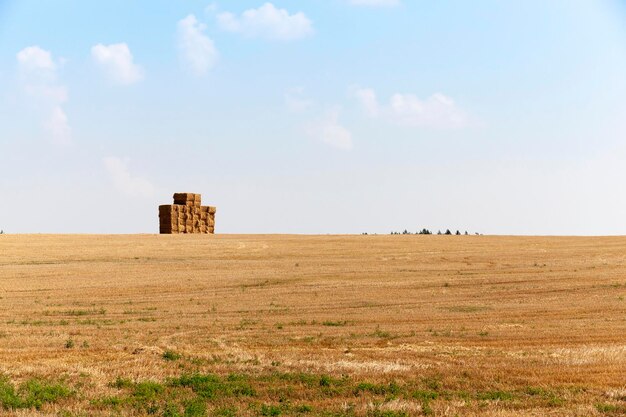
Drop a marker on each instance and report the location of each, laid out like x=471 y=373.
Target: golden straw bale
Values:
x=182 y=198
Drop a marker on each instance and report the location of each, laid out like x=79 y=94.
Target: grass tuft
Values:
x=33 y=393
x=170 y=355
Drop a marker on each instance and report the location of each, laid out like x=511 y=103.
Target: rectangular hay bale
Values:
x=184 y=197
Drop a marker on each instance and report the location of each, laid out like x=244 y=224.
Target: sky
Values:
x=315 y=116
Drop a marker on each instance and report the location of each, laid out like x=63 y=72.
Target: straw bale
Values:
x=166 y=212
x=187 y=215
x=184 y=197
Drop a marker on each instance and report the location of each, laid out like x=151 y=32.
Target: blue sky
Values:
x=325 y=116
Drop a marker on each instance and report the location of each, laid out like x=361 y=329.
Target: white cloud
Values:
x=267 y=22
x=197 y=49
x=437 y=111
x=117 y=169
x=375 y=3
x=38 y=73
x=58 y=126
x=211 y=8
x=117 y=61
x=331 y=132
x=368 y=100
x=33 y=58
x=295 y=100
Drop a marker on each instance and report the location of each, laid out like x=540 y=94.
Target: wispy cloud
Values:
x=117 y=61
x=436 y=111
x=58 y=126
x=330 y=131
x=267 y=22
x=296 y=101
x=38 y=73
x=117 y=169
x=197 y=50
x=211 y=8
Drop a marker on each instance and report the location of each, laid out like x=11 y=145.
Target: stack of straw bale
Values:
x=186 y=215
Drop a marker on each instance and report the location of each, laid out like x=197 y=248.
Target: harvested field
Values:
x=191 y=325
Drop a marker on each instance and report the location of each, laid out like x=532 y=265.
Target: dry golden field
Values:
x=194 y=325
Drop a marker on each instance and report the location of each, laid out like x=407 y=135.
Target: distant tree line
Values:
x=428 y=232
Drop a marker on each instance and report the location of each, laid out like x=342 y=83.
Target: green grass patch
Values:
x=211 y=386
x=288 y=394
x=147 y=390
x=390 y=389
x=381 y=333
x=270 y=410
x=33 y=393
x=335 y=323
x=551 y=398
x=425 y=395
x=610 y=409
x=170 y=355
x=146 y=319
x=195 y=408
x=75 y=313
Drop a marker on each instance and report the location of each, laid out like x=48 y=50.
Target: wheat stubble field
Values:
x=192 y=325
